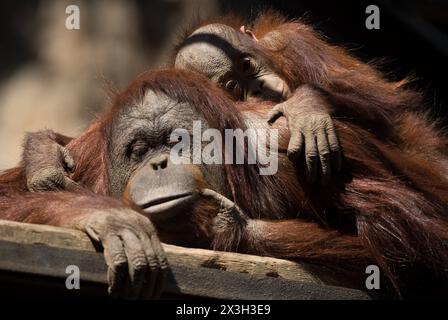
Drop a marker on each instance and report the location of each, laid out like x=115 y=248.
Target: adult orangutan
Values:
x=388 y=207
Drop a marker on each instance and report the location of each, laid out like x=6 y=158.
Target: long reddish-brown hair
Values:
x=219 y=111
x=394 y=188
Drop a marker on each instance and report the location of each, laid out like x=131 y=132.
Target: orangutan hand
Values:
x=312 y=131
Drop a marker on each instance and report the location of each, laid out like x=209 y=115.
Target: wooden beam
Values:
x=46 y=251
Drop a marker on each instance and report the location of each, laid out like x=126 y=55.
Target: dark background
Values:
x=413 y=36
x=51 y=77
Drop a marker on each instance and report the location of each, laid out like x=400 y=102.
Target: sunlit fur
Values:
x=397 y=157
x=388 y=206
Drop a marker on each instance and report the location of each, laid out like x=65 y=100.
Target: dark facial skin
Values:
x=230 y=58
x=139 y=159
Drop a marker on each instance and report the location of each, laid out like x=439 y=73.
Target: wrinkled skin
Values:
x=229 y=218
x=315 y=133
x=47 y=162
x=136 y=262
x=233 y=60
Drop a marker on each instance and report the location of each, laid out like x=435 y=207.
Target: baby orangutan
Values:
x=289 y=62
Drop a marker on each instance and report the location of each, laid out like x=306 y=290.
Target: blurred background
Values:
x=51 y=77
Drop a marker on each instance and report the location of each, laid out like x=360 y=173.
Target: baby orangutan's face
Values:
x=232 y=59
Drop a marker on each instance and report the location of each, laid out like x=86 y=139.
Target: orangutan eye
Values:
x=248 y=66
x=138 y=149
x=234 y=88
x=231 y=84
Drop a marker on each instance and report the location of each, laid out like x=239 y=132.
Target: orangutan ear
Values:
x=246 y=31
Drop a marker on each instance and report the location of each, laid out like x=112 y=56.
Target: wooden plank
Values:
x=26 y=233
x=46 y=251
